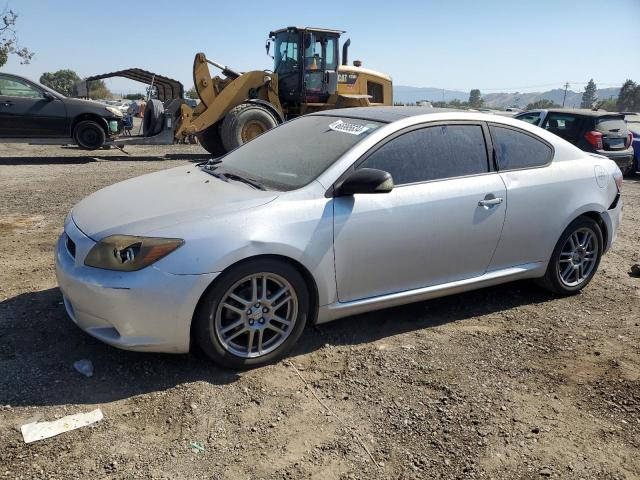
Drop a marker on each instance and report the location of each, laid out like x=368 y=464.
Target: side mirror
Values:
x=366 y=180
x=48 y=95
x=267 y=45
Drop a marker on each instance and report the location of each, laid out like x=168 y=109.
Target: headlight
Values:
x=115 y=111
x=127 y=253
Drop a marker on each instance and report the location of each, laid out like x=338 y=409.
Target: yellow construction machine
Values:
x=235 y=107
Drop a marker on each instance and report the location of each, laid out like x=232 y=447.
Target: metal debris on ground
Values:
x=84 y=366
x=196 y=447
x=32 y=432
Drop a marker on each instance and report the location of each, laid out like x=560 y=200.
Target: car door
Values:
x=564 y=125
x=534 y=192
x=25 y=111
x=440 y=223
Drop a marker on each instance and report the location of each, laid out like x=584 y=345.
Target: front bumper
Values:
x=148 y=310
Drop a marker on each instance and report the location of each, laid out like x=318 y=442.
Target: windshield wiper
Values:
x=225 y=177
x=248 y=181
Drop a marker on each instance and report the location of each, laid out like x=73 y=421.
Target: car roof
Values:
x=578 y=111
x=383 y=114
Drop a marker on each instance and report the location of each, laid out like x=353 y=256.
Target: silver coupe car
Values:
x=330 y=215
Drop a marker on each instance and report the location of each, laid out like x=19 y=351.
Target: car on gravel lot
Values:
x=329 y=215
x=30 y=111
x=595 y=131
x=633 y=124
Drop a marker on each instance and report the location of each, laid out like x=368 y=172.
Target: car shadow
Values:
x=377 y=325
x=39 y=344
x=80 y=160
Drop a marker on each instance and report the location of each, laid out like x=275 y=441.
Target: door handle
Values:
x=490 y=202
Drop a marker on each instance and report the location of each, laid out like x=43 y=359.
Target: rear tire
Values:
x=234 y=307
x=210 y=140
x=152 y=120
x=89 y=135
x=244 y=122
x=575 y=258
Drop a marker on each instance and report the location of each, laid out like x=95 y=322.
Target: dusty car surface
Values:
x=330 y=215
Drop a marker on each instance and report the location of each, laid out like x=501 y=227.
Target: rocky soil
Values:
x=505 y=382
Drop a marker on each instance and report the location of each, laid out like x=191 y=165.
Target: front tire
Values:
x=89 y=135
x=253 y=314
x=243 y=123
x=575 y=258
x=210 y=140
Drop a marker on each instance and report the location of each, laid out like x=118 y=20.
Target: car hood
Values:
x=78 y=105
x=159 y=200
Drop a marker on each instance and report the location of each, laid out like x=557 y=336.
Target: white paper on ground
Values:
x=32 y=432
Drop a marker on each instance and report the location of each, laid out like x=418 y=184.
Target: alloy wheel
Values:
x=578 y=257
x=256 y=315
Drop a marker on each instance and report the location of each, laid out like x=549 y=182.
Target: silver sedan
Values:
x=330 y=215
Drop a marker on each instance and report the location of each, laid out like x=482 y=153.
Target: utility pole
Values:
x=566 y=86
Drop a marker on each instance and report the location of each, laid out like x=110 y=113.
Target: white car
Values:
x=330 y=215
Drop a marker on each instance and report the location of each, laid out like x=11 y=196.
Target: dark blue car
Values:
x=633 y=124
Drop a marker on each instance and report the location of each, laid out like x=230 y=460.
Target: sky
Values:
x=493 y=45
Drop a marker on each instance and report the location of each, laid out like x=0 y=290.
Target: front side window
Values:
x=295 y=153
x=432 y=153
x=516 y=150
x=10 y=87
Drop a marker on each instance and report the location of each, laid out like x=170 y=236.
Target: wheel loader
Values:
x=235 y=107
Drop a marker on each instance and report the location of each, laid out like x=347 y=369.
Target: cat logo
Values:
x=347 y=78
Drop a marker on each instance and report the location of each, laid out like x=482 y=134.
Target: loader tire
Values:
x=210 y=140
x=245 y=122
x=152 y=120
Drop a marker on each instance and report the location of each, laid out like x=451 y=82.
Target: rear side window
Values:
x=532 y=117
x=611 y=124
x=432 y=153
x=515 y=149
x=564 y=125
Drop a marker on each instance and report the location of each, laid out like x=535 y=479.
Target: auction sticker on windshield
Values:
x=351 y=128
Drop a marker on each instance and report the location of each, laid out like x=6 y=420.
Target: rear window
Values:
x=611 y=124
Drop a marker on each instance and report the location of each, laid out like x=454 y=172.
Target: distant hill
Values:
x=408 y=94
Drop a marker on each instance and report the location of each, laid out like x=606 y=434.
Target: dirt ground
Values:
x=505 y=382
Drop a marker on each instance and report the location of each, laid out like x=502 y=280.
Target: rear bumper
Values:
x=623 y=158
x=147 y=310
x=612 y=219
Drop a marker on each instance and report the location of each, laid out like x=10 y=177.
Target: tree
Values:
x=191 y=93
x=134 y=96
x=589 y=97
x=475 y=99
x=542 y=103
x=61 y=81
x=610 y=105
x=98 y=90
x=9 y=39
x=627 y=96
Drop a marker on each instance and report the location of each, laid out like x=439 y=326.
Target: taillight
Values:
x=617 y=176
x=629 y=140
x=594 y=138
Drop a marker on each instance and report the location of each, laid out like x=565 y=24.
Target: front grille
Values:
x=71 y=247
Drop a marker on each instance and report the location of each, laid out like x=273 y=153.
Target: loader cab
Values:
x=306 y=61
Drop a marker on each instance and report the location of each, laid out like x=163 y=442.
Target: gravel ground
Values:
x=505 y=382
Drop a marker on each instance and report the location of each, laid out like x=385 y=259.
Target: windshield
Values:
x=286 y=53
x=295 y=153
